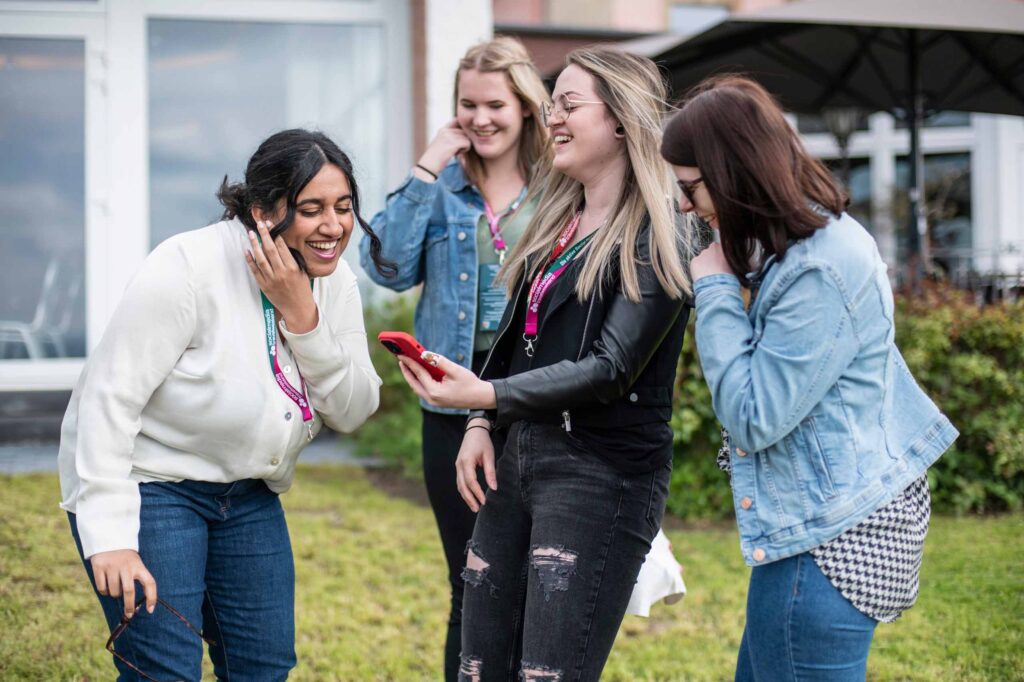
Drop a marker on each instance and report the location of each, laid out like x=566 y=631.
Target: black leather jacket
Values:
x=603 y=363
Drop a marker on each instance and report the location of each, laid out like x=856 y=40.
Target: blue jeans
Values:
x=221 y=555
x=800 y=628
x=554 y=558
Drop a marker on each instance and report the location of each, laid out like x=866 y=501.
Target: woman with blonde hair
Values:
x=579 y=381
x=449 y=227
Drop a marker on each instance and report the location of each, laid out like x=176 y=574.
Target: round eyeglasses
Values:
x=563 y=105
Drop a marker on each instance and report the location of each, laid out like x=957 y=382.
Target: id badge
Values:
x=491 y=300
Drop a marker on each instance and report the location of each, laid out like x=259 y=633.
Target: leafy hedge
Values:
x=970 y=360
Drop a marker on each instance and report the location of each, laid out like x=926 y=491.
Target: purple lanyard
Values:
x=492 y=222
x=298 y=398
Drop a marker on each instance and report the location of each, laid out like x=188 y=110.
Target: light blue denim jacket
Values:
x=429 y=230
x=826 y=422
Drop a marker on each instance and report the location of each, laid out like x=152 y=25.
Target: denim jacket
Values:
x=826 y=422
x=429 y=230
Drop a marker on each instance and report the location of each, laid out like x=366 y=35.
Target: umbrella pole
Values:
x=919 y=261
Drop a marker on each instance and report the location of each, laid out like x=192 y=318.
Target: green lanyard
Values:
x=299 y=398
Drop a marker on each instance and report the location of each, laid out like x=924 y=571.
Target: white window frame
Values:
x=61 y=373
x=116 y=134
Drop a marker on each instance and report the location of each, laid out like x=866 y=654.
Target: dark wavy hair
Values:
x=282 y=166
x=761 y=180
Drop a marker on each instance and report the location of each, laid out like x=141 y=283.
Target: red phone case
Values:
x=401 y=343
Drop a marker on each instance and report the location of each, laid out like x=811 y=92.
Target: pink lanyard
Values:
x=492 y=222
x=298 y=398
x=547 y=277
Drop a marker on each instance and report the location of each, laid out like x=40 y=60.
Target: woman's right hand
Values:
x=477 y=450
x=115 y=573
x=448 y=142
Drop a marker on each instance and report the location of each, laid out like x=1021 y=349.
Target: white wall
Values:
x=452 y=27
x=998 y=192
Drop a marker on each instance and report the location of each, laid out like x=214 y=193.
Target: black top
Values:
x=604 y=367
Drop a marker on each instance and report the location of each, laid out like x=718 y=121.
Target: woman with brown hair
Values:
x=830 y=438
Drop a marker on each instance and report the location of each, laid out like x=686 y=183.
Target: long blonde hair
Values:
x=507 y=55
x=634 y=93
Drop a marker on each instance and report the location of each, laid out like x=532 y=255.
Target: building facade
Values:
x=120 y=118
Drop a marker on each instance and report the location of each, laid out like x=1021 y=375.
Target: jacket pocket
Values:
x=649 y=396
x=818 y=460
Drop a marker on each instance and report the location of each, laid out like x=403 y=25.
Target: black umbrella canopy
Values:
x=835 y=53
x=907 y=57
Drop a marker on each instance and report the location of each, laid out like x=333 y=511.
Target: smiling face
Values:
x=701 y=204
x=490 y=113
x=584 y=136
x=323 y=220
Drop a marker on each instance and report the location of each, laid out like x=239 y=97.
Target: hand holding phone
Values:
x=401 y=343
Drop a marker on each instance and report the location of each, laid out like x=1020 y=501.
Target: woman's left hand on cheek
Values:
x=710 y=261
x=459 y=388
x=282 y=280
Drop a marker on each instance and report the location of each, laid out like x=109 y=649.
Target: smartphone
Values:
x=401 y=343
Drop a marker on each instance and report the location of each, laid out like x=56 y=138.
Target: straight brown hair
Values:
x=766 y=188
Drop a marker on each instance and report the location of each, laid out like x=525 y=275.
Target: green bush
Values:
x=393 y=434
x=970 y=360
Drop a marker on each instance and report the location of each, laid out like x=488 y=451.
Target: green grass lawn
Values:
x=371 y=595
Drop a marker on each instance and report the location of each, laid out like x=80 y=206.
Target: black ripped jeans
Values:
x=442 y=438
x=553 y=560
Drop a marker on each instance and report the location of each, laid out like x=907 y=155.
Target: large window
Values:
x=42 y=198
x=120 y=118
x=218 y=88
x=942 y=119
x=947 y=183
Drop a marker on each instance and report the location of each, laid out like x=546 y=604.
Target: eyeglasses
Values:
x=126 y=621
x=564 y=105
x=688 y=188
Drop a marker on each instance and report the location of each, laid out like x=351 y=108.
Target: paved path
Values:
x=24 y=458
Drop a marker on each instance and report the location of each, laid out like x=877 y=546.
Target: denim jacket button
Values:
x=460 y=357
x=463 y=276
x=759 y=554
x=461 y=236
x=746 y=503
x=462 y=315
x=741 y=453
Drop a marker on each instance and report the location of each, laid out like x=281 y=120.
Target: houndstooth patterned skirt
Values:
x=877 y=563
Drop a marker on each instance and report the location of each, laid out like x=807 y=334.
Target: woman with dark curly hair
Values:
x=232 y=347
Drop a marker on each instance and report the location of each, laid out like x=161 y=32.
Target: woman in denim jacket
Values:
x=449 y=227
x=829 y=436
